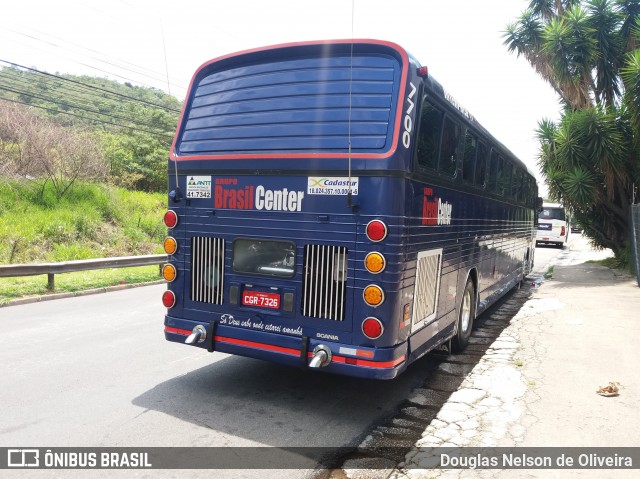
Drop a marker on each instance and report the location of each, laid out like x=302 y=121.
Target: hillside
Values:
x=121 y=132
x=91 y=221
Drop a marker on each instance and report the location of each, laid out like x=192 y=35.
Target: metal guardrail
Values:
x=51 y=269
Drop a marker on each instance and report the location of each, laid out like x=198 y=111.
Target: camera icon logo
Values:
x=23 y=458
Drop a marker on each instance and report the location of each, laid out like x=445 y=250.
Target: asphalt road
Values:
x=96 y=371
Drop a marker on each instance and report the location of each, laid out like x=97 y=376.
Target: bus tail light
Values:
x=562 y=231
x=170 y=219
x=372 y=328
x=169 y=299
x=375 y=263
x=373 y=295
x=376 y=231
x=169 y=272
x=170 y=245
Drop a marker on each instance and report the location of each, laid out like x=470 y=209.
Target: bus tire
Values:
x=465 y=318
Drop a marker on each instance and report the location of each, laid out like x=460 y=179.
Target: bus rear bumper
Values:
x=346 y=359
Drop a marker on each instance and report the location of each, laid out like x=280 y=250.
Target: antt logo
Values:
x=434 y=210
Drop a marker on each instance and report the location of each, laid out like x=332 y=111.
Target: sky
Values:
x=161 y=43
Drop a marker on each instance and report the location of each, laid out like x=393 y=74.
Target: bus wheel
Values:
x=465 y=318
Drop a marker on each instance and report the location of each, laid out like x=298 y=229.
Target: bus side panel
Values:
x=483 y=239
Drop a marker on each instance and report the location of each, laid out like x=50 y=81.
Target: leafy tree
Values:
x=137 y=161
x=587 y=51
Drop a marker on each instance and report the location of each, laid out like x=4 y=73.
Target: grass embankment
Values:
x=90 y=221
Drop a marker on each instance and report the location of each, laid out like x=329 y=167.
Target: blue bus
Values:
x=331 y=207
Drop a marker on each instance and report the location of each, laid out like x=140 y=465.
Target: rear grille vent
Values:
x=325 y=280
x=427 y=285
x=207 y=270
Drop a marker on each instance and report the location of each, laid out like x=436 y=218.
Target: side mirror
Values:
x=539 y=202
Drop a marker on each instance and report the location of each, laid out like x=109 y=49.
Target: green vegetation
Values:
x=614 y=263
x=549 y=273
x=90 y=221
x=588 y=52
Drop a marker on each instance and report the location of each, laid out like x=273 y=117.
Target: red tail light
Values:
x=372 y=328
x=170 y=219
x=376 y=231
x=168 y=299
x=562 y=231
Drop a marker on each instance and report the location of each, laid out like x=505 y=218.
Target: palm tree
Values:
x=586 y=50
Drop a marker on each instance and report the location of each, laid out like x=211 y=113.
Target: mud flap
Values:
x=304 y=350
x=211 y=346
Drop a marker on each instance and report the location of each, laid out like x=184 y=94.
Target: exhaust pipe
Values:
x=321 y=357
x=198 y=335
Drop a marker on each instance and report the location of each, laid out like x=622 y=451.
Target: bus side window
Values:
x=499 y=184
x=481 y=166
x=493 y=172
x=469 y=157
x=449 y=149
x=504 y=178
x=516 y=185
x=429 y=135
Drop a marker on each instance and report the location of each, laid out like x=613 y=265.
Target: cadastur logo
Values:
x=332 y=186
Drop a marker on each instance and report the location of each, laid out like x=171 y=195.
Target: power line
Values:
x=156 y=134
x=158 y=75
x=77 y=107
x=111 y=92
x=136 y=71
x=79 y=102
x=74 y=60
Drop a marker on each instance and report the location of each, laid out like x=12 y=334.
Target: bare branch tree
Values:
x=33 y=146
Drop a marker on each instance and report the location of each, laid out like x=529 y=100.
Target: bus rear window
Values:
x=268 y=258
x=313 y=101
x=552 y=214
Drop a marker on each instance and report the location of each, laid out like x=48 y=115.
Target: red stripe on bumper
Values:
x=371 y=364
x=185 y=332
x=253 y=344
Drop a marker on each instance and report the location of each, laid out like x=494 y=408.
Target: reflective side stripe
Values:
x=184 y=332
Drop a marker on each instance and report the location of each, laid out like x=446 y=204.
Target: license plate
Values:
x=260 y=299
